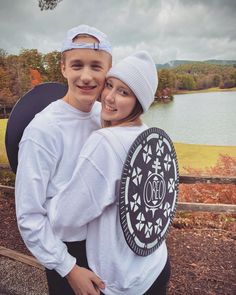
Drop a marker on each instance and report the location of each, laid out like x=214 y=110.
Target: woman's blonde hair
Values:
x=132 y=119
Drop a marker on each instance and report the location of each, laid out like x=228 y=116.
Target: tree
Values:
x=52 y=67
x=3 y=55
x=165 y=85
x=5 y=93
x=227 y=83
x=188 y=82
x=29 y=59
x=7 y=78
x=216 y=80
x=233 y=77
x=48 y=4
x=35 y=77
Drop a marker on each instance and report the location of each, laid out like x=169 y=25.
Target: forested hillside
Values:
x=196 y=76
x=19 y=73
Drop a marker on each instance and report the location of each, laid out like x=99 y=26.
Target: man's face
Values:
x=85 y=71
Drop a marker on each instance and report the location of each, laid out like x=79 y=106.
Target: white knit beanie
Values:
x=138 y=71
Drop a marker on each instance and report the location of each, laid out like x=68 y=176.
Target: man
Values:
x=48 y=153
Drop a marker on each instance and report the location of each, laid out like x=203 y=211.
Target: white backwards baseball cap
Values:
x=103 y=43
x=138 y=71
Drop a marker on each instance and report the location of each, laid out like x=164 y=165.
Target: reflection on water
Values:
x=201 y=118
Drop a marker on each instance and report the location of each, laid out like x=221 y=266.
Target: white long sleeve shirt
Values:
x=90 y=196
x=48 y=154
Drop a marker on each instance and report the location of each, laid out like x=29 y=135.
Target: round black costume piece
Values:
x=148 y=191
x=24 y=111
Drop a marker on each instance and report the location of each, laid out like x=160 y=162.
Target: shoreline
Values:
x=213 y=89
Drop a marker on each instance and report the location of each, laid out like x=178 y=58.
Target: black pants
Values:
x=58 y=285
x=159 y=287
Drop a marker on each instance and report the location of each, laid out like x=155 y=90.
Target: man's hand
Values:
x=84 y=281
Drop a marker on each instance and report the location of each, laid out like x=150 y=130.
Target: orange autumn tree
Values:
x=211 y=193
x=35 y=77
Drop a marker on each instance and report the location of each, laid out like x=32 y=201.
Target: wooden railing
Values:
x=188 y=179
x=5 y=110
x=182 y=206
x=205 y=207
x=5 y=167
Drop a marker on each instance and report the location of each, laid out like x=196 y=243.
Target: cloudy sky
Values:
x=168 y=29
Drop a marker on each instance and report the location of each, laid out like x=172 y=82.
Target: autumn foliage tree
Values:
x=52 y=67
x=19 y=73
x=35 y=77
x=211 y=193
x=165 y=85
x=5 y=94
x=6 y=79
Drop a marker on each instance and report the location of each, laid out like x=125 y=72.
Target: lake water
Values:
x=199 y=118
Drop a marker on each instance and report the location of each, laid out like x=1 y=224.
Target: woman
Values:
x=91 y=197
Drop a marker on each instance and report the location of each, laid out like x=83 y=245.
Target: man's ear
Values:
x=63 y=69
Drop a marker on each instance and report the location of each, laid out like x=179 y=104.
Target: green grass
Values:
x=3 y=156
x=189 y=155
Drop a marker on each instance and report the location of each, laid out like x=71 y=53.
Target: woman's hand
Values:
x=84 y=281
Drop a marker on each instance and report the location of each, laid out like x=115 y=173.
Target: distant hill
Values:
x=175 y=63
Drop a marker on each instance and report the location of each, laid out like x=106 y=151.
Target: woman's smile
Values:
x=109 y=108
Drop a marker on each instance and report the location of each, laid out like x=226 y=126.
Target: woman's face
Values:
x=118 y=101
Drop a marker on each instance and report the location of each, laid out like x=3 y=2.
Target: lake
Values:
x=199 y=118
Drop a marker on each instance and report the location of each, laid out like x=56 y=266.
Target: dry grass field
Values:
x=198 y=156
x=3 y=157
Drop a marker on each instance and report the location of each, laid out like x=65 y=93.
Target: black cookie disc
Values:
x=24 y=111
x=148 y=191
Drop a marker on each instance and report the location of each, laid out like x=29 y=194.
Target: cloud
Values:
x=169 y=29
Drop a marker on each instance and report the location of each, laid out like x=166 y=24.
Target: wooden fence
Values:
x=182 y=206
x=5 y=110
